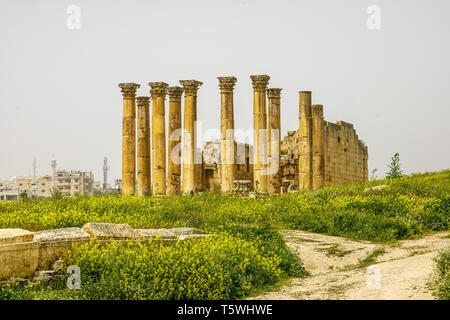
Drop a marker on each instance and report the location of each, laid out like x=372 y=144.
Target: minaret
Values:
x=105 y=172
x=34 y=167
x=53 y=170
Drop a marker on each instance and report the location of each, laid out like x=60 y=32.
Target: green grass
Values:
x=371 y=258
x=442 y=290
x=246 y=257
x=410 y=207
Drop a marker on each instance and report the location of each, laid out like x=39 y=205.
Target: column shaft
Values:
x=189 y=145
x=174 y=169
x=129 y=137
x=318 y=146
x=305 y=141
x=158 y=92
x=274 y=140
x=260 y=150
x=143 y=147
x=228 y=154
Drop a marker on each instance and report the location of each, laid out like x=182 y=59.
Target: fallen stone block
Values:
x=111 y=231
x=55 y=244
x=8 y=236
x=19 y=254
x=376 y=188
x=44 y=275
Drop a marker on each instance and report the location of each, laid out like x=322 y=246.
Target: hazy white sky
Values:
x=59 y=93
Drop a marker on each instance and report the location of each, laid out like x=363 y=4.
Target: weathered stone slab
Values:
x=55 y=244
x=190 y=236
x=172 y=233
x=71 y=234
x=18 y=260
x=185 y=230
x=8 y=236
x=105 y=231
x=153 y=233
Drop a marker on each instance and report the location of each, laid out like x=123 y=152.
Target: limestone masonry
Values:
x=319 y=153
x=24 y=254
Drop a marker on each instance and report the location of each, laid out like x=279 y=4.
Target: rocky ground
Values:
x=347 y=269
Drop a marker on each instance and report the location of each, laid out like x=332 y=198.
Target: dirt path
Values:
x=340 y=268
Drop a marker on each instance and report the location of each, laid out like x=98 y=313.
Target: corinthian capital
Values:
x=175 y=93
x=226 y=84
x=158 y=89
x=129 y=89
x=142 y=101
x=260 y=82
x=273 y=93
x=190 y=87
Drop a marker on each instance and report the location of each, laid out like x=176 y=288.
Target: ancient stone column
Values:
x=143 y=147
x=158 y=91
x=260 y=152
x=318 y=146
x=305 y=141
x=228 y=163
x=174 y=170
x=189 y=145
x=129 y=137
x=274 y=140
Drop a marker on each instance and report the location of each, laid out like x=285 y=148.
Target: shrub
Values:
x=442 y=291
x=394 y=167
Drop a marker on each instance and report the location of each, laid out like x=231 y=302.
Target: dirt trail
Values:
x=401 y=271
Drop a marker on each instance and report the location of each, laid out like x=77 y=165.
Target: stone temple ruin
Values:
x=319 y=153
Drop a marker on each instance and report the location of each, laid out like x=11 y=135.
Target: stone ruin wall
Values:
x=345 y=156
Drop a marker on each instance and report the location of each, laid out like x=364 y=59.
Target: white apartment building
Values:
x=71 y=183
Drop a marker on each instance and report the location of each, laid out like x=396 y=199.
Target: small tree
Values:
x=394 y=167
x=24 y=195
x=257 y=191
x=56 y=193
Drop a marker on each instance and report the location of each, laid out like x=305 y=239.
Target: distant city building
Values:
x=70 y=183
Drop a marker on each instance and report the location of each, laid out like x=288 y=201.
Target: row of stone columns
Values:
x=157 y=183
x=266 y=147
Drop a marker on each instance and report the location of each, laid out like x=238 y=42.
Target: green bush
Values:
x=443 y=282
